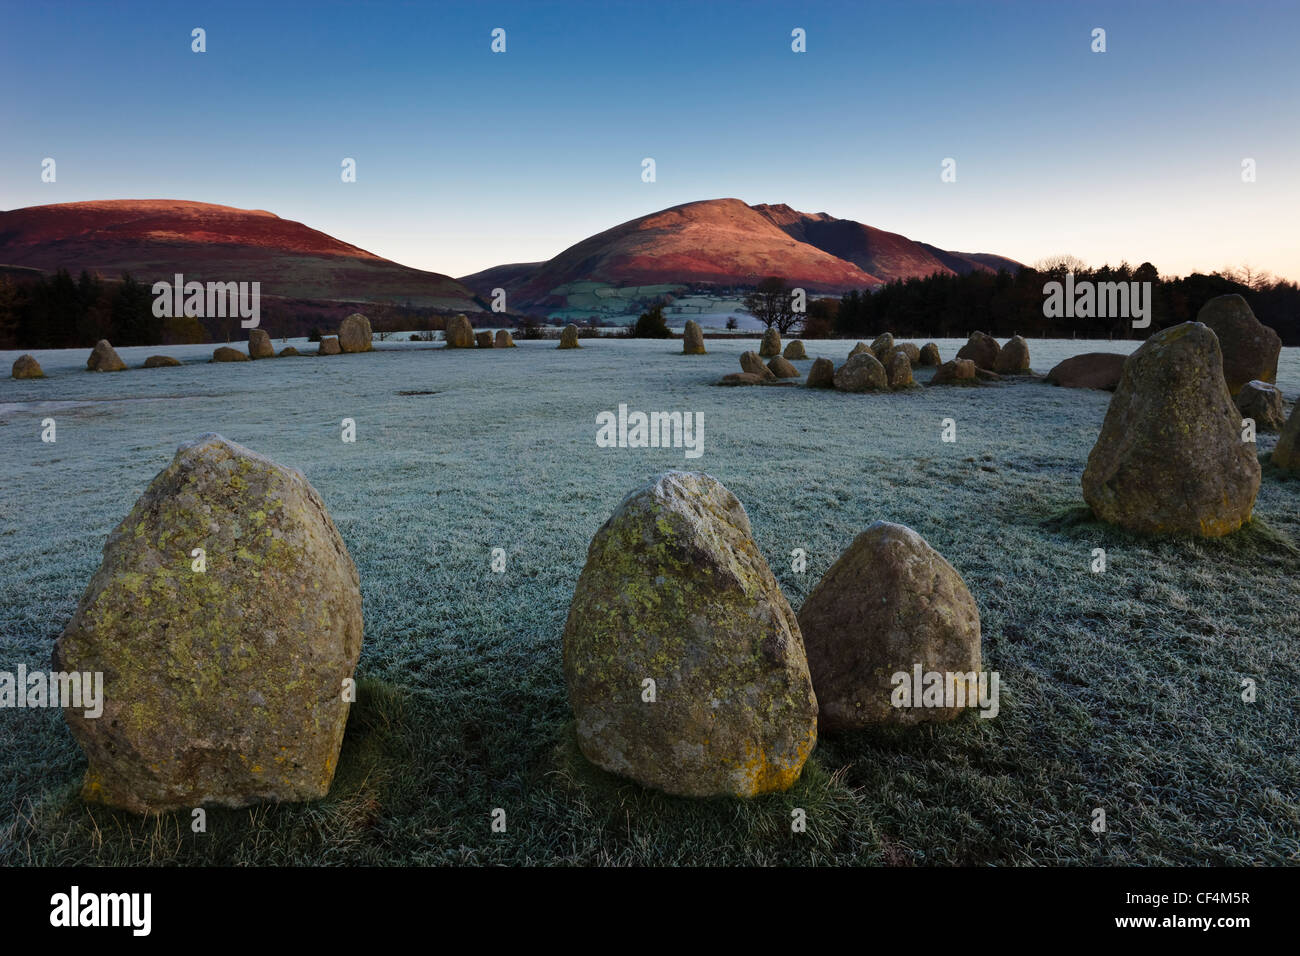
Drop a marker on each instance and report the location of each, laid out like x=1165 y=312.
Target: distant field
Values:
x=1119 y=690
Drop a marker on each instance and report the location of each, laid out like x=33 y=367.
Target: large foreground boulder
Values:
x=459 y=333
x=161 y=361
x=1262 y=402
x=771 y=344
x=504 y=340
x=1101 y=370
x=355 y=334
x=569 y=338
x=888 y=604
x=981 y=349
x=104 y=358
x=684 y=663
x=929 y=355
x=222 y=685
x=1250 y=348
x=822 y=374
x=26 y=366
x=794 y=350
x=861 y=373
x=956 y=372
x=1013 y=358
x=225 y=353
x=692 y=338
x=1170 y=458
x=1286 y=454
x=259 y=344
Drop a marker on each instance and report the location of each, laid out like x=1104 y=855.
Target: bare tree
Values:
x=773 y=304
x=1062 y=263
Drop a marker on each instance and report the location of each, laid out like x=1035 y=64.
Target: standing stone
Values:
x=882 y=346
x=910 y=350
x=504 y=340
x=1101 y=370
x=355 y=334
x=459 y=334
x=795 y=350
x=161 y=361
x=259 y=344
x=781 y=368
x=771 y=344
x=981 y=349
x=225 y=353
x=1170 y=458
x=743 y=378
x=483 y=340
x=287 y=351
x=861 y=373
x=1250 y=348
x=889 y=603
x=859 y=349
x=26 y=366
x=751 y=363
x=1286 y=454
x=104 y=358
x=329 y=345
x=898 y=369
x=1262 y=402
x=930 y=355
x=569 y=338
x=675 y=591
x=1013 y=358
x=956 y=372
x=223 y=686
x=822 y=374
x=692 y=338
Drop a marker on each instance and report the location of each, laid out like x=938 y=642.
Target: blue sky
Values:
x=466 y=158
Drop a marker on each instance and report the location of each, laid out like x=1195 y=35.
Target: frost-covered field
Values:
x=1119 y=690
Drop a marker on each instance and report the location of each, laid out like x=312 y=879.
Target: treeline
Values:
x=1003 y=304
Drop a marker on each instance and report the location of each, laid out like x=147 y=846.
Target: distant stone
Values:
x=889 y=604
x=676 y=592
x=259 y=344
x=459 y=334
x=1170 y=458
x=910 y=350
x=1013 y=359
x=741 y=378
x=861 y=373
x=898 y=370
x=930 y=355
x=26 y=366
x=751 y=363
x=329 y=345
x=223 y=686
x=1100 y=370
x=882 y=346
x=822 y=374
x=104 y=358
x=483 y=340
x=227 y=354
x=795 y=350
x=1250 y=348
x=355 y=334
x=859 y=349
x=569 y=338
x=288 y=350
x=781 y=368
x=504 y=340
x=692 y=338
x=771 y=344
x=1262 y=402
x=1286 y=454
x=981 y=349
x=956 y=372
x=160 y=361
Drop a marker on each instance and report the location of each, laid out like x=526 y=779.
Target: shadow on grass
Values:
x=1256 y=541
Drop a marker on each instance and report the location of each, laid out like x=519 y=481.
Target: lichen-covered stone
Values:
x=751 y=362
x=795 y=350
x=161 y=361
x=1262 y=402
x=104 y=358
x=1101 y=370
x=929 y=355
x=569 y=338
x=888 y=603
x=460 y=333
x=861 y=373
x=859 y=349
x=504 y=340
x=955 y=372
x=692 y=338
x=781 y=368
x=675 y=591
x=981 y=349
x=822 y=374
x=225 y=353
x=1013 y=358
x=898 y=370
x=223 y=686
x=771 y=344
x=1286 y=453
x=329 y=345
x=1170 y=457
x=259 y=344
x=882 y=346
x=483 y=340
x=1250 y=348
x=355 y=334
x=26 y=366
x=910 y=350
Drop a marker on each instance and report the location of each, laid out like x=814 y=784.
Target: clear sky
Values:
x=467 y=158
